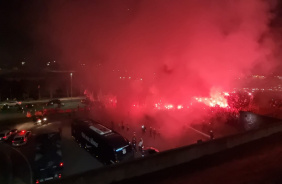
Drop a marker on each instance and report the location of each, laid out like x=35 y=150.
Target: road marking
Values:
x=204 y=134
x=29 y=166
x=8 y=159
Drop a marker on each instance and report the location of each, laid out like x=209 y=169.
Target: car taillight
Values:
x=24 y=139
x=37 y=181
x=13 y=141
x=4 y=137
x=60 y=175
x=61 y=164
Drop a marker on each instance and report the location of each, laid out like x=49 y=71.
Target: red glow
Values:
x=60 y=175
x=37 y=181
x=4 y=137
x=173 y=65
x=216 y=99
x=61 y=164
x=22 y=132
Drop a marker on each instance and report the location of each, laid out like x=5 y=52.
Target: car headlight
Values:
x=39 y=121
x=45 y=119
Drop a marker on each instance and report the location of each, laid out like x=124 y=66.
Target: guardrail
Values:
x=169 y=158
x=47 y=100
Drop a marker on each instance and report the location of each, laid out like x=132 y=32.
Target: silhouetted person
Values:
x=140 y=145
x=134 y=142
x=143 y=129
x=211 y=135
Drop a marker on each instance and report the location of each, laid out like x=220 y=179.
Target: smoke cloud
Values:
x=180 y=48
x=144 y=52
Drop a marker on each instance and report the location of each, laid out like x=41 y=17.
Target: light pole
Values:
x=39 y=96
x=71 y=84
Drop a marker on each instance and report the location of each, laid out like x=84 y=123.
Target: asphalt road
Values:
x=15 y=166
x=76 y=160
x=167 y=137
x=13 y=113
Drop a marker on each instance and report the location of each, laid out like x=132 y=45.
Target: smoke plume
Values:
x=144 y=52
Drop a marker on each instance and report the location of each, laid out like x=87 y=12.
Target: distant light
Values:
x=169 y=106
x=54 y=61
x=179 y=107
x=226 y=94
x=23 y=63
x=141 y=79
x=70 y=74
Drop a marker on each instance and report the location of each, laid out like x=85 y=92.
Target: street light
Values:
x=71 y=84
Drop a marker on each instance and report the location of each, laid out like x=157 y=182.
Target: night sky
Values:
x=31 y=29
x=145 y=36
x=39 y=31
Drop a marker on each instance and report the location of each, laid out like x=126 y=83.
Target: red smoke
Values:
x=144 y=52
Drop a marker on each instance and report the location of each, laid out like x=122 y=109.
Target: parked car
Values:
x=21 y=138
x=48 y=160
x=6 y=134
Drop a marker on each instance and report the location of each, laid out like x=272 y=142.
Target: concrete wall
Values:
x=168 y=158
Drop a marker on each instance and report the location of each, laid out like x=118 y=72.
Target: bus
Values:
x=107 y=145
